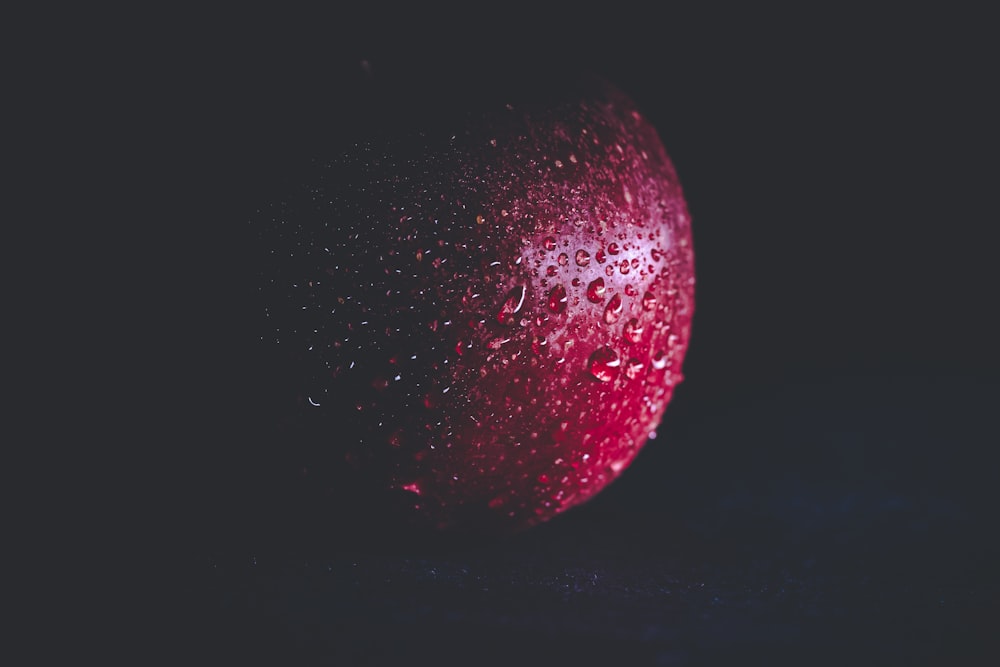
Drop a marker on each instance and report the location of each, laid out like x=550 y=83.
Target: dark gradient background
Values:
x=822 y=489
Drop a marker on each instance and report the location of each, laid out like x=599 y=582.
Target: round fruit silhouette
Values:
x=476 y=325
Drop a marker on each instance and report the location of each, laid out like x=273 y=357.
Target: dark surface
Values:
x=822 y=489
x=819 y=524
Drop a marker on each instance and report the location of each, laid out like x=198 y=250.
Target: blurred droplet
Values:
x=603 y=364
x=595 y=290
x=557 y=299
x=613 y=309
x=648 y=301
x=511 y=305
x=633 y=330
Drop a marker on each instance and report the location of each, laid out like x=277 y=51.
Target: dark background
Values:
x=822 y=487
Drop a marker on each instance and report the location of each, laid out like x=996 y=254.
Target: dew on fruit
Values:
x=497 y=343
x=511 y=305
x=557 y=299
x=412 y=487
x=603 y=364
x=595 y=290
x=633 y=330
x=482 y=253
x=613 y=310
x=648 y=301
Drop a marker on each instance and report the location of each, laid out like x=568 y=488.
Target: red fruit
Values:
x=481 y=324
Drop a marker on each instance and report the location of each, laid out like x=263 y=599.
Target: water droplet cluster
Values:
x=488 y=328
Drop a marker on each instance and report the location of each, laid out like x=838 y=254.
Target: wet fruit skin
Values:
x=475 y=327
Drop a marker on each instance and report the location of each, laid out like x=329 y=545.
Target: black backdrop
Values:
x=821 y=487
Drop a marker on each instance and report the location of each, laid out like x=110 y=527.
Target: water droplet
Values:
x=497 y=343
x=595 y=290
x=633 y=368
x=557 y=299
x=660 y=360
x=633 y=330
x=600 y=256
x=609 y=270
x=603 y=364
x=655 y=255
x=511 y=305
x=630 y=290
x=648 y=301
x=613 y=309
x=624 y=267
x=563 y=259
x=549 y=243
x=582 y=258
x=576 y=282
x=613 y=248
x=538 y=344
